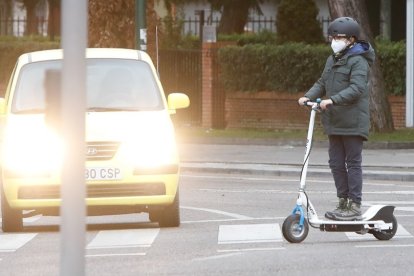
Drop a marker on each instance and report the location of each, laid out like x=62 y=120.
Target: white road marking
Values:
x=124 y=238
x=274 y=191
x=249 y=233
x=250 y=249
x=229 y=220
x=390 y=202
x=385 y=245
x=215 y=257
x=232 y=215
x=115 y=255
x=408 y=209
x=12 y=242
x=32 y=219
x=265 y=191
x=401 y=234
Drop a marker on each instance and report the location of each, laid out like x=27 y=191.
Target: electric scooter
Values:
x=378 y=220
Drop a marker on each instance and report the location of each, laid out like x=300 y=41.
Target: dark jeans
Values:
x=345 y=158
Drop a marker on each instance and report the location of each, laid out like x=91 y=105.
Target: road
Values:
x=231 y=225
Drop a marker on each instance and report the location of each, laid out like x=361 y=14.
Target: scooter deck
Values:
x=377 y=216
x=349 y=226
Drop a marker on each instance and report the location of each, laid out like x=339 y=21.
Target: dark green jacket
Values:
x=345 y=81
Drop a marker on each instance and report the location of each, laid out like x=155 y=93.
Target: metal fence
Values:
x=255 y=25
x=191 y=25
x=18 y=26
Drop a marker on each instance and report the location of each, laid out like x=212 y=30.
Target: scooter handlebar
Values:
x=315 y=105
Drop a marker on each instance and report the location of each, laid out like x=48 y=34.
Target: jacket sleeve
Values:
x=358 y=81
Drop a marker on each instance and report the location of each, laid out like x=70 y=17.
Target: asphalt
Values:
x=381 y=161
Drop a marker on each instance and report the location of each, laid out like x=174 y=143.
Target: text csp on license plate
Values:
x=103 y=174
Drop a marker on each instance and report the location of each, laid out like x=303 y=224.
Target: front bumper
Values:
x=146 y=190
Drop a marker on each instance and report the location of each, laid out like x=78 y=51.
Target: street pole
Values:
x=73 y=102
x=140 y=24
x=409 y=92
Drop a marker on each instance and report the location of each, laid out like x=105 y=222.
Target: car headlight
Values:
x=27 y=151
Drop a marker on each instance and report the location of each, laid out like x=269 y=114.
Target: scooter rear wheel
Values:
x=387 y=234
x=293 y=231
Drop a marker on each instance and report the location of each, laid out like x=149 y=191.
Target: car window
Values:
x=111 y=84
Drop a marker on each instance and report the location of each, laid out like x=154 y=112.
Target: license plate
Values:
x=103 y=174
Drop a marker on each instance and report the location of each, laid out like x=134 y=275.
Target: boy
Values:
x=345 y=117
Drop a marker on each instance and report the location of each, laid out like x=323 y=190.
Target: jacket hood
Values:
x=364 y=49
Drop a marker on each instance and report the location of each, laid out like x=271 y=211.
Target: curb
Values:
x=291 y=170
x=284 y=142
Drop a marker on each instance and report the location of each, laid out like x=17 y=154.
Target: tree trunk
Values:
x=111 y=23
x=54 y=19
x=234 y=17
x=31 y=19
x=385 y=18
x=381 y=117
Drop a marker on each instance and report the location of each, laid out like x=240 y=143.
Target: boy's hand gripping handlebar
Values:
x=314 y=105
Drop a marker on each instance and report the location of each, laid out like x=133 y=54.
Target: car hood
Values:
x=116 y=126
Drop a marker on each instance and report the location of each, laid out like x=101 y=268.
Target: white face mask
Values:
x=338 y=45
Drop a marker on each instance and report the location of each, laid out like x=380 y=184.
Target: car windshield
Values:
x=112 y=85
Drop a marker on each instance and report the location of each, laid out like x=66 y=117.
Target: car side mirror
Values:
x=177 y=101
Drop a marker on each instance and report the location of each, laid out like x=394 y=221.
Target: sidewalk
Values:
x=272 y=157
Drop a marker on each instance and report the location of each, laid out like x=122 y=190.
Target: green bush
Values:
x=295 y=67
x=289 y=67
x=11 y=48
x=264 y=37
x=392 y=57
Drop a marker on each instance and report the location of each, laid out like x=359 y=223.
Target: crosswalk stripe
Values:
x=115 y=255
x=12 y=242
x=124 y=238
x=249 y=233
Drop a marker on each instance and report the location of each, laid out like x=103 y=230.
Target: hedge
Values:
x=295 y=67
x=393 y=64
x=286 y=67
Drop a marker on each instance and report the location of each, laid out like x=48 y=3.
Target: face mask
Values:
x=338 y=45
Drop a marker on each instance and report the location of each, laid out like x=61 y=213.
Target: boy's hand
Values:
x=302 y=100
x=325 y=104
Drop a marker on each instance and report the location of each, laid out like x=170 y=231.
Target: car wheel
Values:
x=12 y=220
x=154 y=215
x=170 y=215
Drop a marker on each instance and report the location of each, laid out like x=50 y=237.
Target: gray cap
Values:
x=344 y=26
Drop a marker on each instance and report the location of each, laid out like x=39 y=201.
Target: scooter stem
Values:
x=308 y=146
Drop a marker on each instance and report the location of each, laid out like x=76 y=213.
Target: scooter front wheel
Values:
x=293 y=231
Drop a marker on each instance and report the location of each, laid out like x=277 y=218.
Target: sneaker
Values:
x=353 y=212
x=340 y=208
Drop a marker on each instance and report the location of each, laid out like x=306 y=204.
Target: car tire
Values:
x=170 y=215
x=12 y=220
